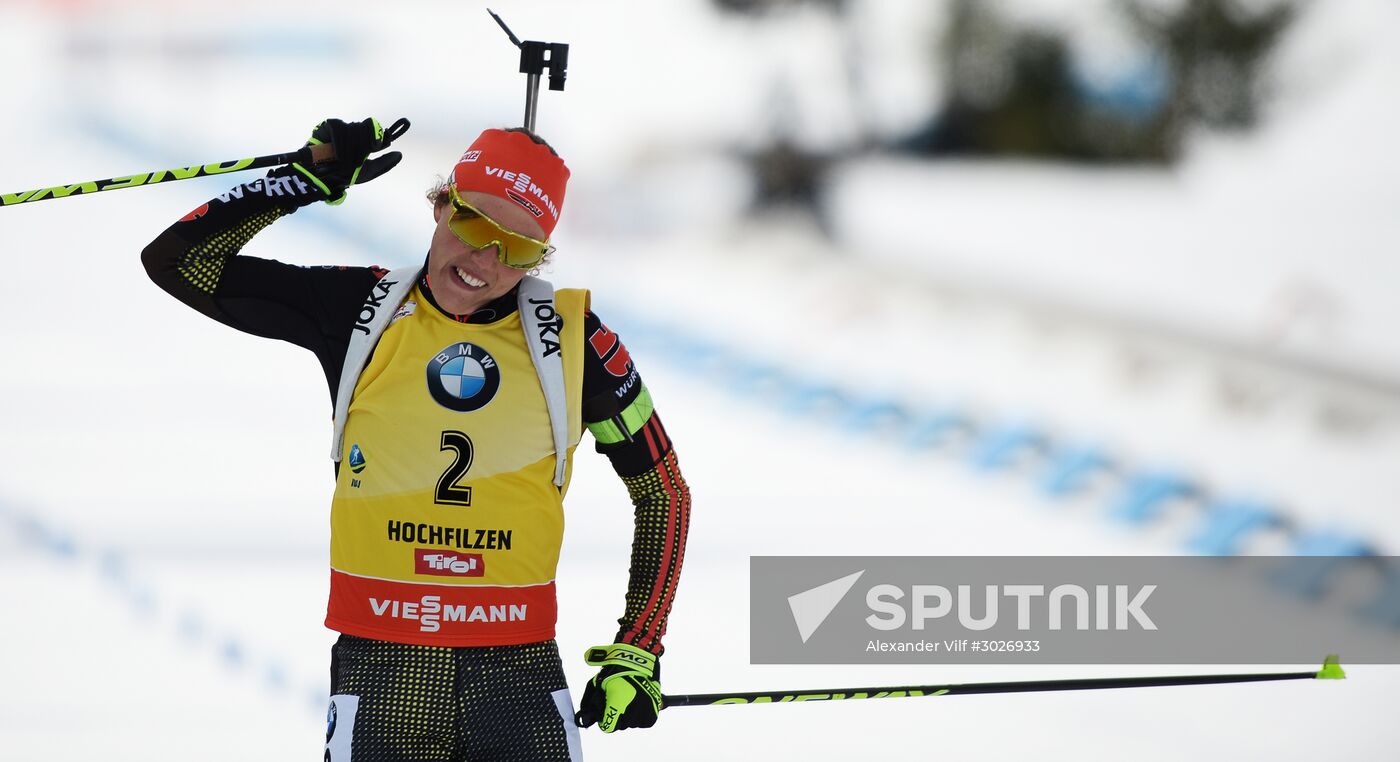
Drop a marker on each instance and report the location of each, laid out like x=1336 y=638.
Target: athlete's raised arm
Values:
x=197 y=260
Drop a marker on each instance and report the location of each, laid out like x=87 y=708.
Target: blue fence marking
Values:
x=1140 y=497
x=815 y=398
x=1070 y=470
x=755 y=379
x=113 y=570
x=934 y=429
x=1229 y=524
x=873 y=414
x=1331 y=543
x=1000 y=446
x=1146 y=494
x=1309 y=581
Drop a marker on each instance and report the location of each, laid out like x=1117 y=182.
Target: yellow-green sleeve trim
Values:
x=634 y=416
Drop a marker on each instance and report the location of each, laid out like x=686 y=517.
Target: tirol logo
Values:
x=441 y=563
x=357 y=458
x=463 y=377
x=471 y=155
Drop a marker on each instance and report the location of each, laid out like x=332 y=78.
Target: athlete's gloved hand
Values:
x=353 y=143
x=626 y=692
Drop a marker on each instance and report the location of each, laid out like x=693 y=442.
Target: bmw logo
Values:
x=463 y=377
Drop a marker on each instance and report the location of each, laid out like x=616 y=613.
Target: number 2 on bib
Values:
x=448 y=491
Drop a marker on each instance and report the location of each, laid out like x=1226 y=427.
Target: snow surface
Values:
x=163 y=507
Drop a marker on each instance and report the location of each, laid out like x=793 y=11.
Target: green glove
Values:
x=353 y=143
x=626 y=692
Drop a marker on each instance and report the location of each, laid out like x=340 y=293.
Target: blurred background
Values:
x=938 y=277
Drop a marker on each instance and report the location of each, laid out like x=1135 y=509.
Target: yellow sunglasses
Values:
x=478 y=231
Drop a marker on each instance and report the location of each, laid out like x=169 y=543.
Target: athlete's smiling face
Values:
x=463 y=278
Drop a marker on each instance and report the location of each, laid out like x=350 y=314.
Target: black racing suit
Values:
x=423 y=702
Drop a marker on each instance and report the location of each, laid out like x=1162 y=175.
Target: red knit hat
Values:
x=513 y=166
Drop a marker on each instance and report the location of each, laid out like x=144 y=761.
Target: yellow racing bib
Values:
x=446 y=523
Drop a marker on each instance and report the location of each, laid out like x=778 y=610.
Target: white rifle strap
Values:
x=379 y=308
x=538 y=316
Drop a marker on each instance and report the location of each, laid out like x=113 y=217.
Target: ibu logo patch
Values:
x=463 y=377
x=357 y=459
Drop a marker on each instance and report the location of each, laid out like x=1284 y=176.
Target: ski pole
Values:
x=1331 y=670
x=316 y=154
